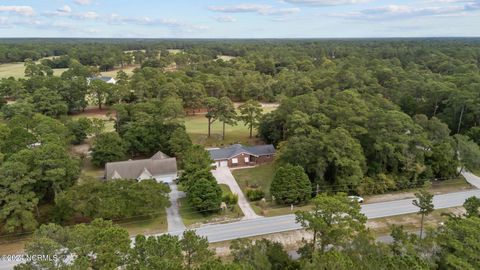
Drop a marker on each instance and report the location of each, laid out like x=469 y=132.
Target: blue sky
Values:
x=239 y=19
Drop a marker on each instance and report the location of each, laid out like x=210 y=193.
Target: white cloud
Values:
x=65 y=9
x=175 y=25
x=225 y=19
x=325 y=2
x=403 y=11
x=88 y=15
x=254 y=8
x=66 y=13
x=83 y=2
x=20 y=10
x=241 y=8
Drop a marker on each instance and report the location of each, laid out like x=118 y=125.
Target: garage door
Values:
x=223 y=164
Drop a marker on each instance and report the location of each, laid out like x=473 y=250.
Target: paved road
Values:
x=268 y=225
x=262 y=226
x=224 y=176
x=174 y=219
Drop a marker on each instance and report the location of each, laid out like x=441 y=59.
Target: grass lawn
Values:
x=260 y=176
x=438 y=187
x=17 y=70
x=197 y=128
x=157 y=224
x=88 y=169
x=93 y=112
x=193 y=218
x=113 y=73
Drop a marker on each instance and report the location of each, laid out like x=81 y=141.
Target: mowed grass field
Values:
x=17 y=70
x=197 y=128
x=113 y=73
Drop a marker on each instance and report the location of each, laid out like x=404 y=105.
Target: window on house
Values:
x=247 y=159
x=234 y=160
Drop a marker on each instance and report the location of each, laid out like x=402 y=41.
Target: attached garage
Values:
x=238 y=155
x=223 y=163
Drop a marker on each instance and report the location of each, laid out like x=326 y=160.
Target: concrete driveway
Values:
x=471 y=178
x=175 y=222
x=224 y=176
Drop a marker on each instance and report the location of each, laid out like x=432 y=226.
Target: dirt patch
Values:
x=171 y=68
x=411 y=222
x=290 y=240
x=81 y=149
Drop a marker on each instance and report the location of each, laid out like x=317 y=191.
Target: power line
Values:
x=339 y=188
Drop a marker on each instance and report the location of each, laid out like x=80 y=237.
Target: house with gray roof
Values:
x=238 y=155
x=159 y=167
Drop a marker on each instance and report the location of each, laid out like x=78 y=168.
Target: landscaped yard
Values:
x=193 y=218
x=260 y=176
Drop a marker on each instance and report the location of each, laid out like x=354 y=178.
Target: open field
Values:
x=94 y=112
x=192 y=218
x=174 y=51
x=113 y=73
x=17 y=70
x=197 y=128
x=226 y=57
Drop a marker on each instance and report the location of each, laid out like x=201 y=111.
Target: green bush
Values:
x=255 y=194
x=230 y=199
x=290 y=185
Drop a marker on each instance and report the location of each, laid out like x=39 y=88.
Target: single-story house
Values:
x=106 y=79
x=238 y=155
x=159 y=167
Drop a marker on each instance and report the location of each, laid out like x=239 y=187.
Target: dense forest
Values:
x=356 y=116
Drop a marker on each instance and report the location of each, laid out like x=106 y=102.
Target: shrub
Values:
x=290 y=185
x=230 y=199
x=255 y=194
